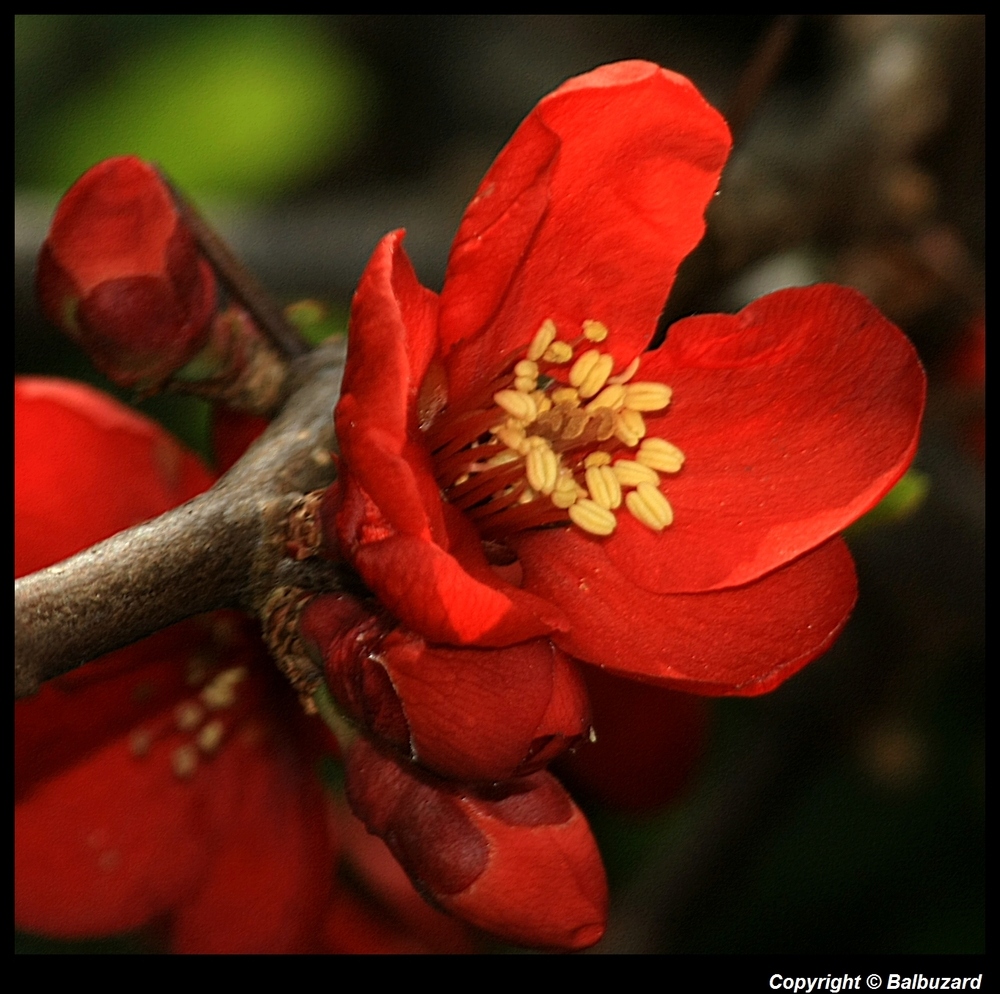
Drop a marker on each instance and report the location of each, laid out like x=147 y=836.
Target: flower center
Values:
x=563 y=441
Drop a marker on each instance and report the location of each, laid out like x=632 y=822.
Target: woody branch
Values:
x=222 y=549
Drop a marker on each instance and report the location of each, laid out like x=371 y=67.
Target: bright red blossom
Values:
x=517 y=471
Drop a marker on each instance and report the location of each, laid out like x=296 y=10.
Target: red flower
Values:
x=121 y=273
x=172 y=780
x=517 y=472
x=516 y=859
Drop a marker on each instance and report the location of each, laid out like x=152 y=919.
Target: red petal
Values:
x=796 y=416
x=648 y=739
x=483 y=714
x=271 y=862
x=392 y=339
x=744 y=640
x=467 y=714
x=517 y=859
x=586 y=214
x=109 y=837
x=115 y=221
x=70 y=443
x=445 y=596
x=430 y=592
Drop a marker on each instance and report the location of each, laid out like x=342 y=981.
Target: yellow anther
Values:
x=525 y=384
x=542 y=401
x=604 y=487
x=140 y=742
x=558 y=353
x=511 y=436
x=541 y=467
x=592 y=518
x=582 y=367
x=659 y=454
x=649 y=506
x=567 y=490
x=590 y=372
x=526 y=496
x=594 y=331
x=188 y=716
x=566 y=395
x=459 y=480
x=500 y=459
x=544 y=337
x=210 y=737
x=647 y=395
x=610 y=396
x=631 y=474
x=184 y=762
x=518 y=405
x=629 y=427
x=627 y=373
x=598 y=458
x=527 y=367
x=564 y=499
x=221 y=692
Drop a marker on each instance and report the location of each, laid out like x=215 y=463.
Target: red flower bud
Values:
x=121 y=274
x=516 y=858
x=466 y=713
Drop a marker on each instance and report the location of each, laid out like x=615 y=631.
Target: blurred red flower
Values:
x=174 y=782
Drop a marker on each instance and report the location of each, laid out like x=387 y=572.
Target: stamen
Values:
x=650 y=507
x=631 y=473
x=221 y=692
x=566 y=395
x=184 y=762
x=210 y=737
x=604 y=486
x=544 y=337
x=647 y=396
x=517 y=404
x=188 y=716
x=629 y=427
x=592 y=518
x=541 y=466
x=567 y=490
x=611 y=396
x=557 y=435
x=558 y=353
x=659 y=454
x=627 y=373
x=594 y=331
x=580 y=369
x=140 y=742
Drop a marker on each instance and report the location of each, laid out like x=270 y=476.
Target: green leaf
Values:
x=242 y=106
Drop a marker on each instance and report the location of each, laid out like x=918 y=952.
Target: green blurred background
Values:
x=844 y=812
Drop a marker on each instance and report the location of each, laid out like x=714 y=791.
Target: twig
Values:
x=759 y=73
x=222 y=549
x=238 y=280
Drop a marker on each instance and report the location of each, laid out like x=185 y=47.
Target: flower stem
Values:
x=239 y=281
x=225 y=548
